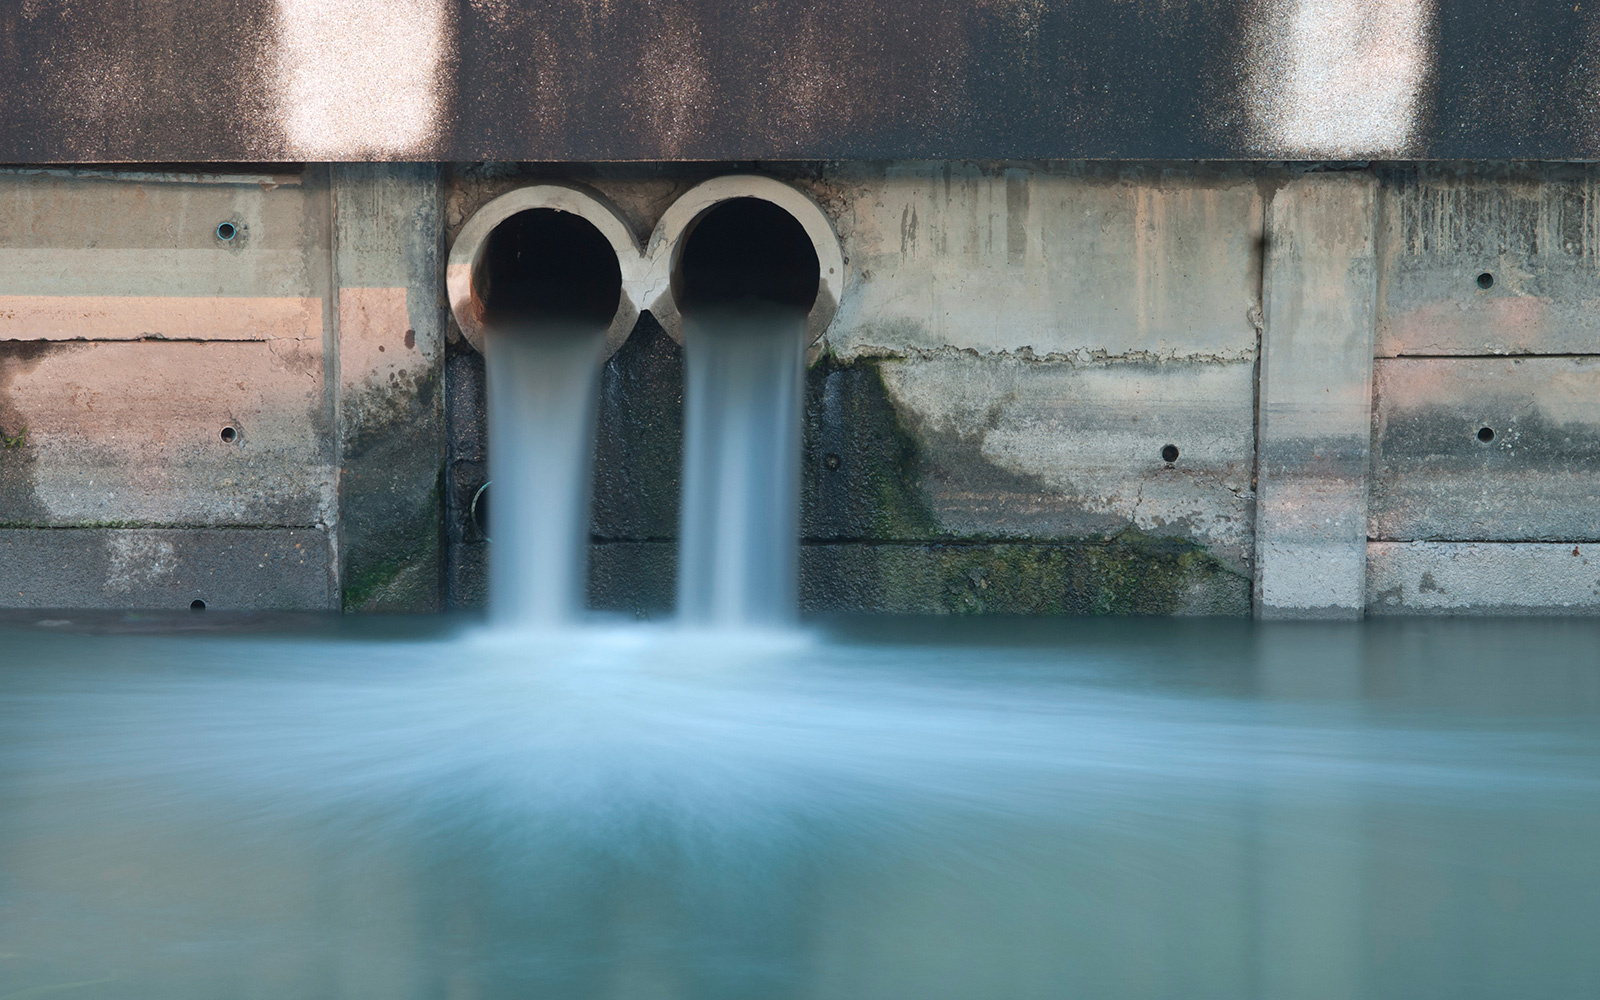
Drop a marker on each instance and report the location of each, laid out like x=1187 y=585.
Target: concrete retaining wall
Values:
x=242 y=416
x=1050 y=388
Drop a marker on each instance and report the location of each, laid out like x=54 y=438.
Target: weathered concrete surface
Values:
x=638 y=458
x=391 y=367
x=1536 y=479
x=1483 y=578
x=1016 y=349
x=1315 y=392
x=1050 y=260
x=465 y=578
x=282 y=569
x=98 y=256
x=159 y=382
x=1534 y=232
x=1132 y=575
x=637 y=578
x=1018 y=449
x=163 y=433
x=1018 y=345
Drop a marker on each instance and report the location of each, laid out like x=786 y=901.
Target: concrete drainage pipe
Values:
x=745 y=235
x=545 y=253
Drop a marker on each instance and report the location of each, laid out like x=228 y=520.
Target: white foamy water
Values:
x=543 y=389
x=739 y=555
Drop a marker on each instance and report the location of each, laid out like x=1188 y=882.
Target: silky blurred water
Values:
x=544 y=383
x=208 y=807
x=739 y=562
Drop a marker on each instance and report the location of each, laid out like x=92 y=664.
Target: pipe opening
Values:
x=747 y=248
x=544 y=267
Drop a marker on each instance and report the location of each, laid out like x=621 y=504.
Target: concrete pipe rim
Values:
x=467 y=254
x=680 y=218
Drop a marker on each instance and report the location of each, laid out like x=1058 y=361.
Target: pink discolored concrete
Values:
x=159 y=317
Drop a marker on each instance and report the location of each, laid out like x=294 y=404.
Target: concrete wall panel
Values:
x=1482 y=578
x=391 y=322
x=1054 y=450
x=1536 y=479
x=72 y=245
x=1532 y=236
x=1049 y=260
x=132 y=433
x=1315 y=391
x=228 y=569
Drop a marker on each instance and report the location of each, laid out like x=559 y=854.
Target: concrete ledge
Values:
x=1483 y=578
x=153 y=568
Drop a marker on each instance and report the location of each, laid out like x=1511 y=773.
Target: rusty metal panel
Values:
x=580 y=80
x=1486 y=449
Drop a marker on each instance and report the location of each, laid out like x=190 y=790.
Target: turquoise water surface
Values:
x=257 y=807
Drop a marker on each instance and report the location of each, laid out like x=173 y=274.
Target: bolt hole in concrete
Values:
x=747 y=275
x=549 y=285
x=1485 y=434
x=831 y=461
x=1486 y=280
x=229 y=435
x=1169 y=453
x=226 y=232
x=197 y=605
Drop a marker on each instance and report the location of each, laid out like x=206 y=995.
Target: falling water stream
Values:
x=738 y=564
x=747 y=279
x=549 y=284
x=543 y=384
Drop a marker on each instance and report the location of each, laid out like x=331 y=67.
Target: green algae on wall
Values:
x=1128 y=576
x=391 y=499
x=874 y=543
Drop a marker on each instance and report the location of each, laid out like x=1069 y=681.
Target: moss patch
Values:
x=1127 y=576
x=390 y=497
x=862 y=466
x=874 y=542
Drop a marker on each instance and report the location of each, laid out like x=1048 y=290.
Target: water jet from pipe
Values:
x=746 y=278
x=549 y=283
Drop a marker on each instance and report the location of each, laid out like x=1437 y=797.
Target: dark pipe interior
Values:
x=747 y=248
x=547 y=267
